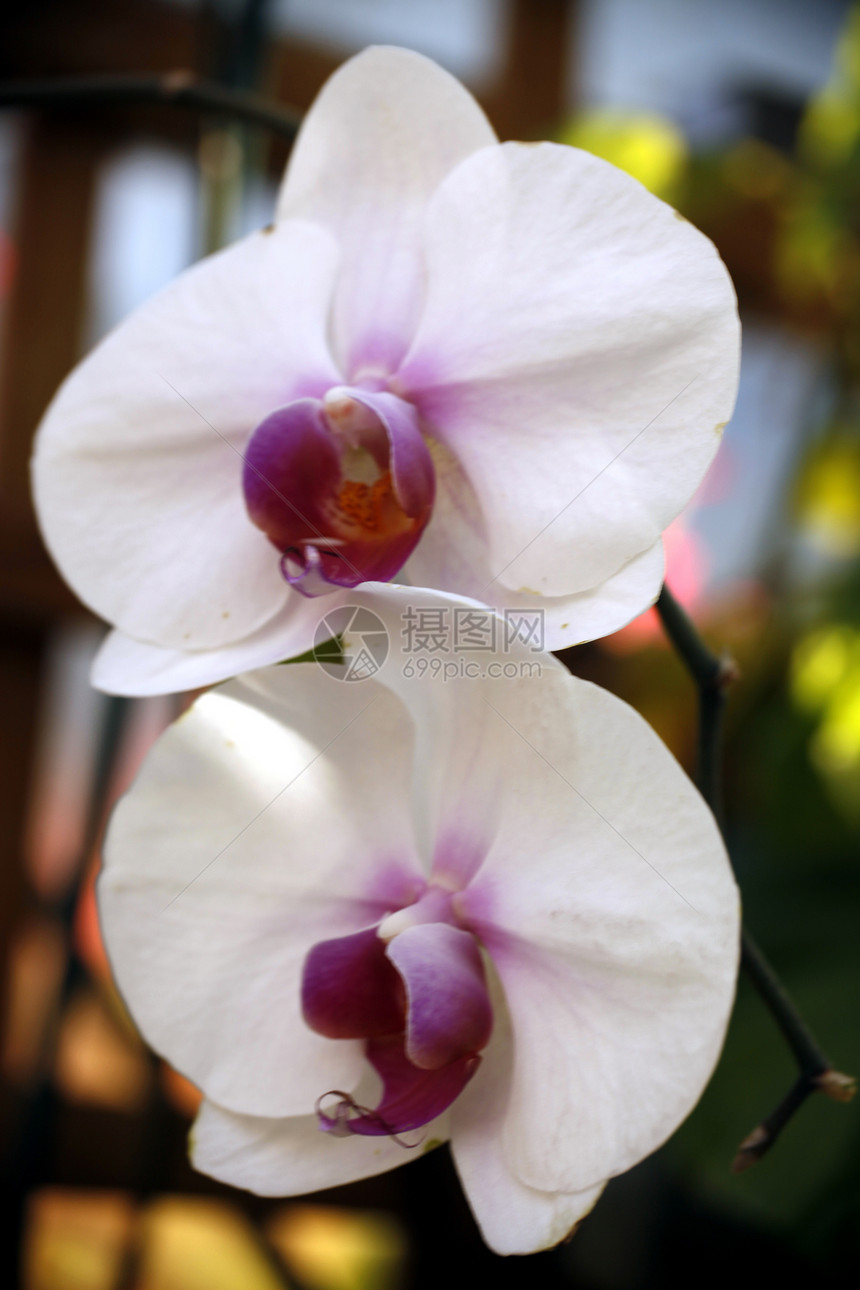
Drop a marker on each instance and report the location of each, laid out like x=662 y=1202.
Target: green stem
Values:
x=711 y=675
x=810 y=1059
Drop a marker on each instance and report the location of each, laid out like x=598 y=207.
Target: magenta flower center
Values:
x=413 y=988
x=343 y=487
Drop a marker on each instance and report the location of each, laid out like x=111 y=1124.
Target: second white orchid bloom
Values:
x=500 y=370
x=492 y=911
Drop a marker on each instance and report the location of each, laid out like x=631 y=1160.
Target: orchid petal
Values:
x=127 y=666
x=459 y=762
x=513 y=1218
x=209 y=924
x=454 y=554
x=570 y=310
x=138 y=462
x=379 y=138
x=588 y=615
x=448 y=1009
x=290 y=1157
x=609 y=909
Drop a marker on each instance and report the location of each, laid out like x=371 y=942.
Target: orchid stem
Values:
x=176 y=89
x=712 y=676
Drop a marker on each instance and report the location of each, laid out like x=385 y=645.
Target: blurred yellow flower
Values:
x=649 y=147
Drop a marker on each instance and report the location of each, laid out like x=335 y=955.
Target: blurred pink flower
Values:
x=686 y=571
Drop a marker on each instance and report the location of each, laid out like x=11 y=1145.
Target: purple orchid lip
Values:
x=350 y=990
x=420 y=1003
x=343 y=487
x=411 y=1098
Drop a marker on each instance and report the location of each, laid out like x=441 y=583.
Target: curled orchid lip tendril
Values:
x=338 y=1123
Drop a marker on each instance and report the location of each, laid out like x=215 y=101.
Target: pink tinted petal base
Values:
x=411 y=1096
x=449 y=1015
x=350 y=990
x=380 y=138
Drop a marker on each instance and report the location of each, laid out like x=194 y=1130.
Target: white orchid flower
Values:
x=500 y=370
x=363 y=917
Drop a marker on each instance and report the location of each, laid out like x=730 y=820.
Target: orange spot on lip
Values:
x=373 y=508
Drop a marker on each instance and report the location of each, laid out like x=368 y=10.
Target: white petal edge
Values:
x=513 y=1218
x=291 y=1157
x=127 y=666
x=454 y=554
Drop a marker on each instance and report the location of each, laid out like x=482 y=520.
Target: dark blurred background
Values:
x=745 y=115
